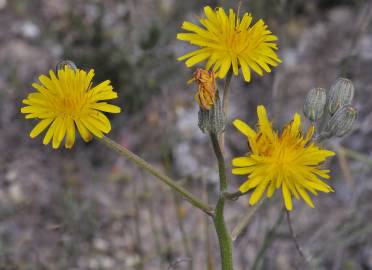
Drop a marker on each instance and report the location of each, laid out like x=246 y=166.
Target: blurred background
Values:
x=87 y=208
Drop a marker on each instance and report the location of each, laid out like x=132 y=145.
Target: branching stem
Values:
x=121 y=150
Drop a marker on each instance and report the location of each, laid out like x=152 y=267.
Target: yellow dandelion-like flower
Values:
x=69 y=101
x=289 y=161
x=206 y=94
x=227 y=40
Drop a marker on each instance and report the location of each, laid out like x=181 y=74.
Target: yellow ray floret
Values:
x=227 y=41
x=67 y=101
x=289 y=161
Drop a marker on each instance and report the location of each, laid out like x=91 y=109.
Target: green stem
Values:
x=225 y=104
x=226 y=90
x=221 y=163
x=155 y=172
x=222 y=231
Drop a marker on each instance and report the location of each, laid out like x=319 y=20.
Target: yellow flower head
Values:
x=206 y=93
x=68 y=101
x=289 y=161
x=226 y=40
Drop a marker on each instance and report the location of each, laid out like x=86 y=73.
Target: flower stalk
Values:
x=226 y=90
x=222 y=231
x=225 y=104
x=155 y=172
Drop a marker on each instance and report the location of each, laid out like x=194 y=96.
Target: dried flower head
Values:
x=206 y=93
x=230 y=41
x=69 y=101
x=289 y=161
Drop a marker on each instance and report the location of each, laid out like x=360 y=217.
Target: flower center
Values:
x=71 y=106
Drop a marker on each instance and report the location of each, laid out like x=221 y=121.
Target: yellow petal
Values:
x=59 y=130
x=271 y=189
x=70 y=134
x=105 y=107
x=265 y=125
x=242 y=162
x=84 y=132
x=245 y=187
x=244 y=128
x=226 y=63
x=257 y=193
x=235 y=65
x=196 y=59
x=50 y=133
x=287 y=197
x=305 y=196
x=92 y=128
x=241 y=171
x=40 y=127
x=295 y=125
x=245 y=69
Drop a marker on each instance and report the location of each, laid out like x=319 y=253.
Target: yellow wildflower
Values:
x=228 y=41
x=68 y=101
x=289 y=161
x=206 y=93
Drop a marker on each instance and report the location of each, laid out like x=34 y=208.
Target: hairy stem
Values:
x=158 y=174
x=225 y=104
x=222 y=231
x=226 y=90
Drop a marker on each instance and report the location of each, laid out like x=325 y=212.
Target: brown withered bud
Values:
x=206 y=93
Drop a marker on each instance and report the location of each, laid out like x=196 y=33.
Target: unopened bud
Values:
x=212 y=120
x=315 y=101
x=340 y=94
x=64 y=63
x=341 y=122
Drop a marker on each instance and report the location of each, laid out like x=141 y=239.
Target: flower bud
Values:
x=63 y=63
x=341 y=122
x=315 y=101
x=341 y=93
x=212 y=120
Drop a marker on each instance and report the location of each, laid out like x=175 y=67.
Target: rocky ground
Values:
x=89 y=209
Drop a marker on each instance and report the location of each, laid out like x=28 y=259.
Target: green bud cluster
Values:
x=340 y=94
x=315 y=102
x=333 y=109
x=212 y=120
x=341 y=122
